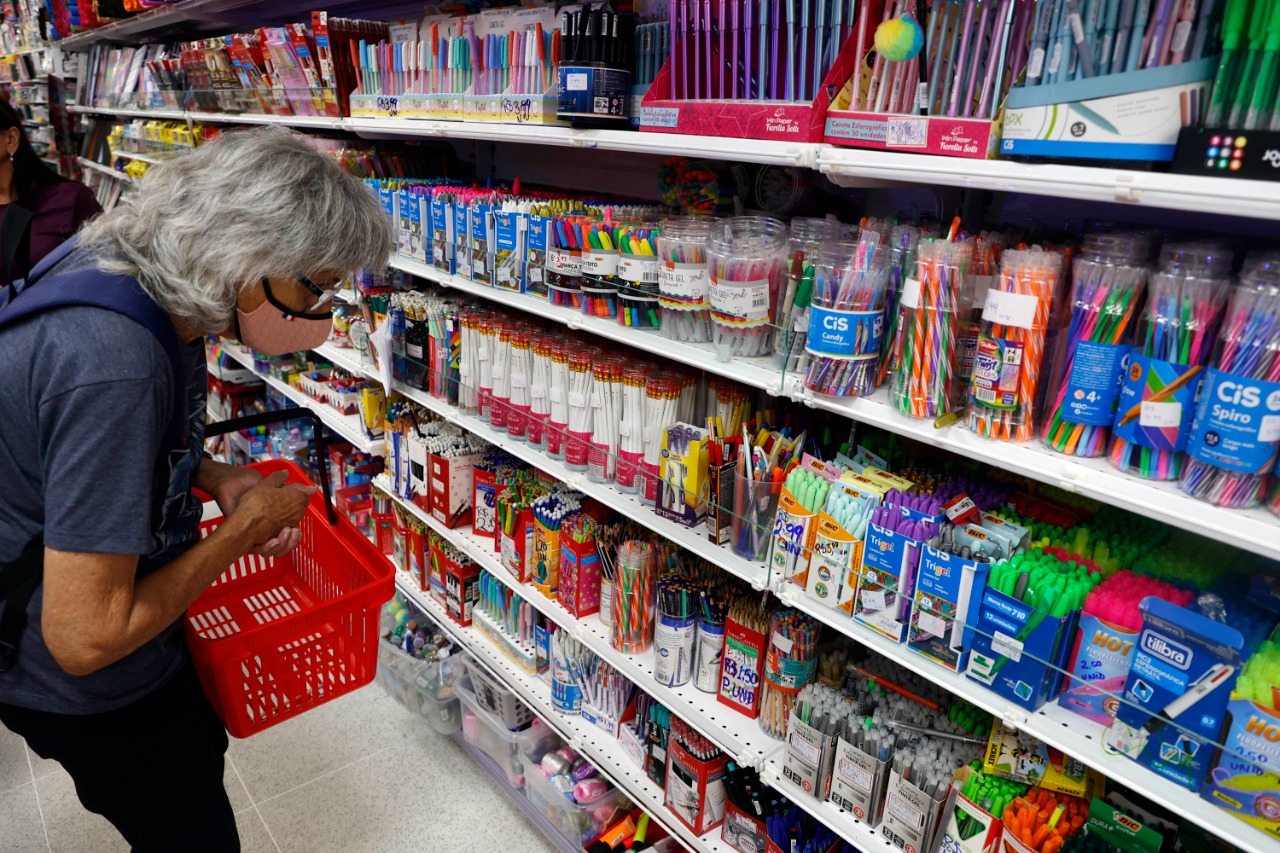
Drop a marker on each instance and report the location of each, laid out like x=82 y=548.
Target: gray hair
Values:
x=245 y=205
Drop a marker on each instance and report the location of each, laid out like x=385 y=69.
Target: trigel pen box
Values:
x=948 y=596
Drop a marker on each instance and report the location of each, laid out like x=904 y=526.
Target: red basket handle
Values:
x=292 y=413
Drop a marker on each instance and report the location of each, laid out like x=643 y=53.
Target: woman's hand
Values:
x=271 y=509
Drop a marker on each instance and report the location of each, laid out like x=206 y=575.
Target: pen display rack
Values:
x=728 y=76
x=1135 y=115
x=946 y=98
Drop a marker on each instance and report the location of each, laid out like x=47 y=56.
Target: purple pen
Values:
x=671 y=24
x=774 y=52
x=706 y=36
x=721 y=25
x=954 y=105
x=747 y=41
x=971 y=78
x=684 y=49
x=737 y=33
x=995 y=59
x=697 y=52
x=1155 y=34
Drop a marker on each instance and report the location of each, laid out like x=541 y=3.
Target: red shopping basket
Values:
x=273 y=638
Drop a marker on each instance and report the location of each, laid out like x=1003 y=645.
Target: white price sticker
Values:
x=859 y=777
x=519 y=380
x=1003 y=644
x=1010 y=309
x=801 y=747
x=1269 y=429
x=576 y=398
x=933 y=626
x=575 y=82
x=1165 y=413
x=783 y=644
x=873 y=599
x=911 y=293
x=556 y=395
x=746 y=300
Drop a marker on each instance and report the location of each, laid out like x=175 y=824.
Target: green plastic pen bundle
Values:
x=1050 y=586
x=992 y=793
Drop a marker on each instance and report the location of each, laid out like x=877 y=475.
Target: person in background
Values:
x=39 y=208
x=101 y=433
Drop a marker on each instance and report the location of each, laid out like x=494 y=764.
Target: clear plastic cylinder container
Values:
x=746 y=257
x=684 y=279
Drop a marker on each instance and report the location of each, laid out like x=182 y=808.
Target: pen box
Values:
x=858 y=782
x=516 y=543
x=452 y=488
x=545 y=561
x=462 y=590
x=579 y=587
x=442 y=225
x=910 y=815
x=740 y=668
x=694 y=792
x=481 y=242
x=967 y=826
x=791 y=541
x=783 y=121
x=1018 y=652
x=462 y=238
x=1246 y=787
x=811 y=753
x=886 y=584
x=834 y=565
x=1132 y=116
x=1098 y=666
x=742 y=831
x=1183 y=671
x=948 y=594
x=508 y=265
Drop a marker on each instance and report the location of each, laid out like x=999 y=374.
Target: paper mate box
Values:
x=1018 y=651
x=462 y=239
x=1244 y=778
x=1175 y=698
x=948 y=595
x=442 y=223
x=1132 y=116
x=508 y=266
x=481 y=241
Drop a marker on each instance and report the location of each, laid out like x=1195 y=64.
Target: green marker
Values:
x=1249 y=75
x=1232 y=27
x=1264 y=92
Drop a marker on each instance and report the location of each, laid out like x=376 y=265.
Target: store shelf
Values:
x=738 y=736
x=1056 y=726
x=715 y=147
x=587 y=740
x=128 y=112
x=346 y=426
x=86 y=163
x=1253 y=530
x=854 y=166
x=845 y=166
x=1059 y=728
x=756 y=372
x=144 y=158
x=694 y=541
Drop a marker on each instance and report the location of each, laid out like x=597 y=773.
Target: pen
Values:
x=954 y=105
x=1077 y=36
x=1182 y=32
x=1151 y=41
x=1142 y=10
x=706 y=42
x=1232 y=26
x=1107 y=43
x=671 y=24
x=1263 y=91
x=1203 y=25
x=722 y=24
x=1248 y=76
x=762 y=75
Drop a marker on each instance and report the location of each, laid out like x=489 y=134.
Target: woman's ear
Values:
x=12 y=137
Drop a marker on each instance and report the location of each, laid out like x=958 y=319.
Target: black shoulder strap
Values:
x=13 y=237
x=123 y=295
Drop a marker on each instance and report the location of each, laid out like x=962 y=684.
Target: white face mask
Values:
x=274 y=328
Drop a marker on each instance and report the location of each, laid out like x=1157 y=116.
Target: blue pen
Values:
x=1203 y=27
x=1135 y=35
x=1039 y=42
x=1078 y=38
x=1054 y=50
x=1109 y=17
x=1124 y=26
x=1066 y=54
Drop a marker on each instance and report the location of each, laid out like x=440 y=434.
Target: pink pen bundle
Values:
x=949 y=68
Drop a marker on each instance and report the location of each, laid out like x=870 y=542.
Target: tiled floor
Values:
x=358 y=774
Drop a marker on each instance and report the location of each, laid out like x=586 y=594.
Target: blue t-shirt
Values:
x=85 y=395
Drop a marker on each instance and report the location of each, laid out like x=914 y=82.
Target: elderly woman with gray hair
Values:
x=101 y=427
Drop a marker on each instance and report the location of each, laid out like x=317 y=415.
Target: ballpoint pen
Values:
x=1233 y=20
x=1203 y=26
x=1110 y=19
x=1248 y=76
x=762 y=75
x=1078 y=37
x=1134 y=60
x=748 y=39
x=971 y=79
x=993 y=78
x=942 y=16
x=775 y=54
x=953 y=107
x=1181 y=32
x=697 y=49
x=722 y=24
x=737 y=34
x=1264 y=88
x=706 y=45
x=790 y=93
x=800 y=95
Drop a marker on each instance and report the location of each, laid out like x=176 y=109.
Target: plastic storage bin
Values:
x=576 y=821
x=487 y=733
x=496 y=698
x=423 y=687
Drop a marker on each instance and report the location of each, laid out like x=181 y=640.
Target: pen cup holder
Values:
x=565 y=296
x=599 y=300
x=754 y=505
x=638 y=311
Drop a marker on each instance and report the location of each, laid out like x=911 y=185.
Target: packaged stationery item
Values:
x=924 y=384
x=747 y=258
x=695 y=779
x=744 y=646
x=1018 y=756
x=846 y=317
x=683 y=485
x=890 y=559
x=683 y=279
x=948 y=595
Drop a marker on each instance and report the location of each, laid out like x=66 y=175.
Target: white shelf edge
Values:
x=691 y=540
x=346 y=426
x=741 y=738
x=603 y=751
x=1253 y=530
x=134 y=155
x=106 y=170
x=1059 y=728
x=1056 y=726
x=756 y=372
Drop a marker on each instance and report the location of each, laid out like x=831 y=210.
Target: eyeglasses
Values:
x=322 y=296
